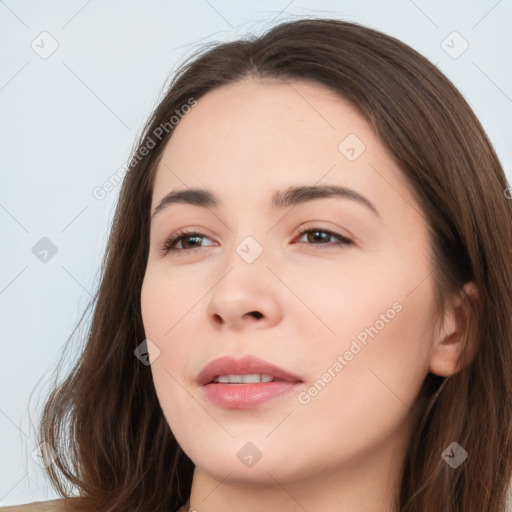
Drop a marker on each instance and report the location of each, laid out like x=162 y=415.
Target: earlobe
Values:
x=451 y=353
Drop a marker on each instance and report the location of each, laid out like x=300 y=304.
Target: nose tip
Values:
x=244 y=303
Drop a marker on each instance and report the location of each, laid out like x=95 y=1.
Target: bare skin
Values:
x=341 y=448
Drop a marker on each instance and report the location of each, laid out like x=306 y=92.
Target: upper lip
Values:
x=246 y=365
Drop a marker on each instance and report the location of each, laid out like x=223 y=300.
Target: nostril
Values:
x=256 y=314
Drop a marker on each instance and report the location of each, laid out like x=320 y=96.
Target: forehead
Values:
x=253 y=137
x=264 y=119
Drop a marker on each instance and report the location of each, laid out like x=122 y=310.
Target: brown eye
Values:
x=316 y=236
x=188 y=239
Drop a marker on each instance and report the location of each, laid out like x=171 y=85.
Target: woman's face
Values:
x=351 y=322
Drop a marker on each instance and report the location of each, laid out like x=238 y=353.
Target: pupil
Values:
x=320 y=237
x=193 y=238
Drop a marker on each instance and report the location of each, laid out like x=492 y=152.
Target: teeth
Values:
x=243 y=379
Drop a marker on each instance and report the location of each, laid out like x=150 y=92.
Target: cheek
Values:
x=162 y=308
x=159 y=308
x=384 y=347
x=170 y=315
x=371 y=305
x=372 y=395
x=164 y=301
x=379 y=355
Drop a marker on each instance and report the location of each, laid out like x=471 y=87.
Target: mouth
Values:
x=251 y=378
x=245 y=383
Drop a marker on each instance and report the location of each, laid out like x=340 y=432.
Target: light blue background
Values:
x=69 y=122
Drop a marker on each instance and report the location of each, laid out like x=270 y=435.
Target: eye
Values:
x=181 y=236
x=323 y=236
x=318 y=235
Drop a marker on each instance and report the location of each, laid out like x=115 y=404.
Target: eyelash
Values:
x=170 y=243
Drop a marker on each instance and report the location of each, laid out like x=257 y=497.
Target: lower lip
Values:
x=246 y=396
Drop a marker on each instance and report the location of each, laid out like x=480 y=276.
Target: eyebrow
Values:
x=280 y=199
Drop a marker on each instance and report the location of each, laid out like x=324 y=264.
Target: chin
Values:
x=244 y=462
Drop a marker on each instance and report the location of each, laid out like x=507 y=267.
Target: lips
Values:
x=247 y=365
x=240 y=395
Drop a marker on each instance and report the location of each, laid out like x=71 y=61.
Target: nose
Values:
x=243 y=300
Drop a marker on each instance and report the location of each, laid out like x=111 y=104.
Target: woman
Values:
x=231 y=363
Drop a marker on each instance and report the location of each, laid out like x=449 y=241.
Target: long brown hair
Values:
x=104 y=420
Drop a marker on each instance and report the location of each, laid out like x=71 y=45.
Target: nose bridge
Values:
x=245 y=293
x=250 y=238
x=250 y=250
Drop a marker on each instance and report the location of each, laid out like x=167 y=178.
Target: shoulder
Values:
x=62 y=505
x=39 y=506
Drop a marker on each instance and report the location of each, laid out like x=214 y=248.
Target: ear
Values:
x=448 y=355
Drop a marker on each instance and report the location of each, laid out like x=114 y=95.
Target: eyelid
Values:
x=336 y=230
x=343 y=240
